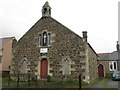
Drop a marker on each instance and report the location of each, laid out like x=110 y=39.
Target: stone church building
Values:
x=50 y=48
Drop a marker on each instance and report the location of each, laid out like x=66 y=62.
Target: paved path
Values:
x=107 y=83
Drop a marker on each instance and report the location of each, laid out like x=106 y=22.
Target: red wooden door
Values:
x=44 y=68
x=100 y=71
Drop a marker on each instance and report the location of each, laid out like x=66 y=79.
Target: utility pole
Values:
x=118 y=52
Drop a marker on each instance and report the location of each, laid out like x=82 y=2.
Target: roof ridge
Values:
x=7 y=37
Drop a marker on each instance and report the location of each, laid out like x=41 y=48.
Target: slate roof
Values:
x=108 y=56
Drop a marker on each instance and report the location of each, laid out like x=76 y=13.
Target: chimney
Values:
x=85 y=35
x=117 y=46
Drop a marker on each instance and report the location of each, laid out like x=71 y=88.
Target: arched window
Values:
x=45 y=10
x=24 y=66
x=49 y=11
x=44 y=39
x=66 y=65
x=49 y=37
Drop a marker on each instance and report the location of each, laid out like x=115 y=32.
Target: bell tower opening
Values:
x=46 y=10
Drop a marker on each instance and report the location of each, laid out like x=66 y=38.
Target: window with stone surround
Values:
x=24 y=66
x=66 y=65
x=49 y=37
x=44 y=39
x=112 y=65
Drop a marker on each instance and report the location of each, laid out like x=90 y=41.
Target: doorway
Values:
x=44 y=68
x=100 y=70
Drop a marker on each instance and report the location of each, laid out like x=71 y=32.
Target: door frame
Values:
x=41 y=66
x=103 y=70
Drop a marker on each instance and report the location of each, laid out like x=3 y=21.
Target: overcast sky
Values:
x=98 y=17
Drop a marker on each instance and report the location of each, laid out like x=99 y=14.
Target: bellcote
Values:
x=46 y=10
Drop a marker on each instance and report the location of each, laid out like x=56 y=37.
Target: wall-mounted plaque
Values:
x=43 y=50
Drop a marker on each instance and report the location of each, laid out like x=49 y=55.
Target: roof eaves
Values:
x=92 y=49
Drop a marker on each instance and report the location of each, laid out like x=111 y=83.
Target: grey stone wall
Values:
x=92 y=64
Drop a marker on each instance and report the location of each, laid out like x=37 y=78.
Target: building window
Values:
x=44 y=39
x=49 y=37
x=24 y=66
x=115 y=67
x=45 y=9
x=112 y=65
x=0 y=59
x=66 y=65
x=49 y=11
x=40 y=40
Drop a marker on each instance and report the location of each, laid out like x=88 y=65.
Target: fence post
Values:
x=80 y=84
x=36 y=80
x=28 y=80
x=63 y=81
x=9 y=80
x=18 y=80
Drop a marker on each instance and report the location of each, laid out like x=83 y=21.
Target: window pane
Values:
x=44 y=39
x=40 y=42
x=111 y=65
x=115 y=66
x=49 y=36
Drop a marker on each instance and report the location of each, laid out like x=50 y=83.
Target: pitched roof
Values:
x=101 y=54
x=45 y=23
x=108 y=56
x=46 y=4
x=92 y=49
x=50 y=23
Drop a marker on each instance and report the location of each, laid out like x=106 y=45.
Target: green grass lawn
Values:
x=54 y=83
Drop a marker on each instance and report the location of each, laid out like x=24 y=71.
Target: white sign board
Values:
x=43 y=50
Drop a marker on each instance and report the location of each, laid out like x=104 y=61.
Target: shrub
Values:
x=5 y=74
x=84 y=83
x=108 y=75
x=70 y=80
x=33 y=79
x=54 y=80
x=49 y=79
